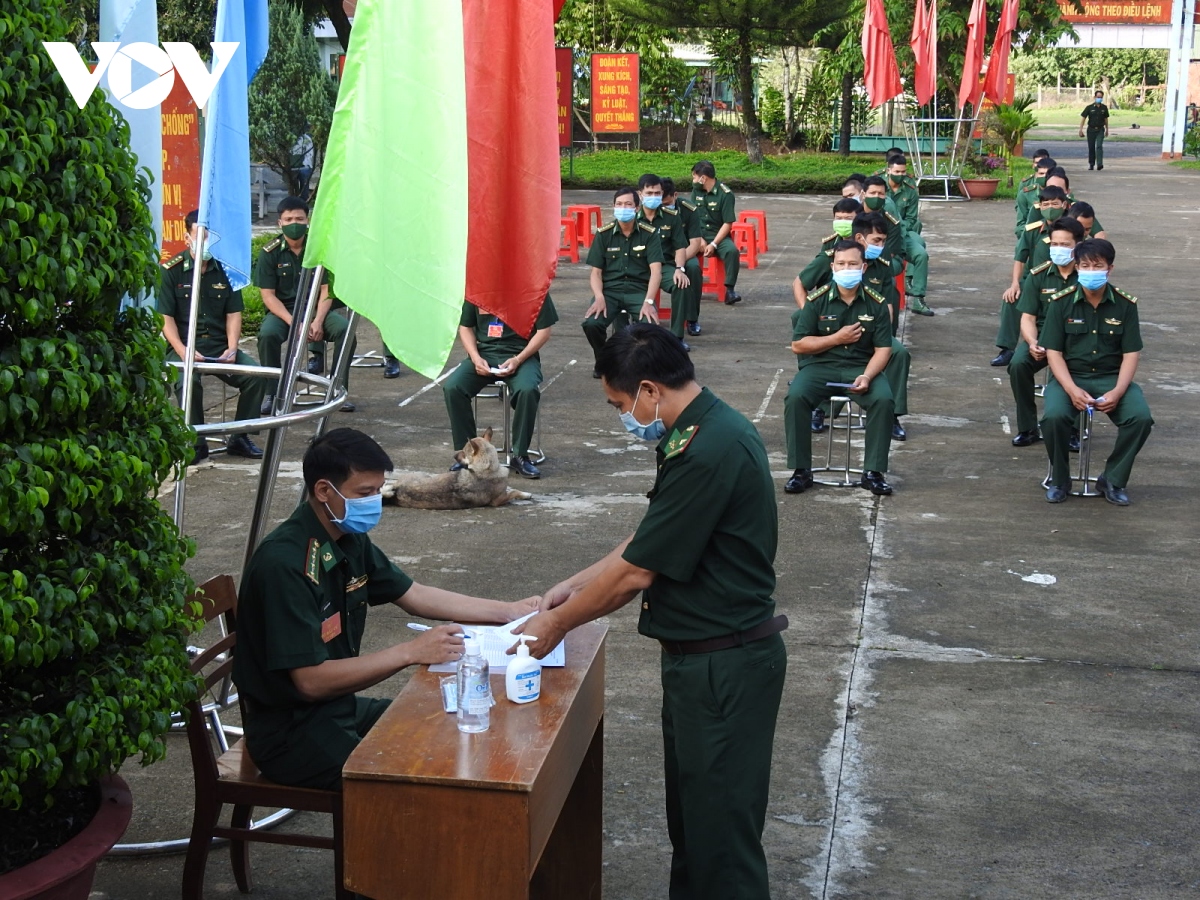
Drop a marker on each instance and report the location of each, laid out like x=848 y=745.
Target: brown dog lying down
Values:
x=482 y=482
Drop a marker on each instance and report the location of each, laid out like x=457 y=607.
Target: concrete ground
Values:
x=988 y=696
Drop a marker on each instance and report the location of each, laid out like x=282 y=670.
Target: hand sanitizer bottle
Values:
x=523 y=680
x=474 y=690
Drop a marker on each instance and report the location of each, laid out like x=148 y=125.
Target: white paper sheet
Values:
x=494 y=641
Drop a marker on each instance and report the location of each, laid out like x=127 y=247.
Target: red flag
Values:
x=997 y=73
x=558 y=5
x=969 y=89
x=924 y=48
x=513 y=190
x=882 y=75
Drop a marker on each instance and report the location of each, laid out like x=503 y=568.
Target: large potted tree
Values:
x=93 y=593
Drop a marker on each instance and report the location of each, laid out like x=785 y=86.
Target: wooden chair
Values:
x=233 y=778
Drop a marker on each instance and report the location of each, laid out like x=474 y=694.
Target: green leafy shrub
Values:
x=1191 y=142
x=93 y=610
x=255 y=310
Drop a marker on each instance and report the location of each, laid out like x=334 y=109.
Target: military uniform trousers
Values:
x=731 y=259
x=465 y=383
x=718 y=718
x=316 y=757
x=685 y=302
x=620 y=309
x=1021 y=372
x=1009 y=332
x=1095 y=139
x=917 y=257
x=808 y=391
x=274 y=332
x=1131 y=416
x=251 y=390
x=896 y=373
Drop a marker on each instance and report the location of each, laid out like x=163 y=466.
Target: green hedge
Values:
x=254 y=311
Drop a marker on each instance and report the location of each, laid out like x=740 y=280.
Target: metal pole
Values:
x=341 y=366
x=189 y=359
x=310 y=288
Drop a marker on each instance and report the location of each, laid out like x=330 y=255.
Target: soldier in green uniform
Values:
x=495 y=352
x=716 y=206
x=915 y=254
x=626 y=270
x=1057 y=177
x=1093 y=342
x=817 y=272
x=218 y=330
x=1083 y=213
x=278 y=275
x=691 y=229
x=1048 y=281
x=302 y=611
x=842 y=336
x=1095 y=117
x=1027 y=191
x=704 y=556
x=1033 y=249
x=680 y=240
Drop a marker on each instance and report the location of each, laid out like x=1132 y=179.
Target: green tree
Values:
x=93 y=614
x=292 y=95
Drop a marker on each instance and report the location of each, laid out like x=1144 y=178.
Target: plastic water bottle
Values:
x=474 y=690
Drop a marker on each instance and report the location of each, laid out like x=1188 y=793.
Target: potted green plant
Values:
x=1012 y=122
x=980 y=173
x=93 y=594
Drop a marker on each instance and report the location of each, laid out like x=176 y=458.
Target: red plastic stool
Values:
x=758 y=218
x=664 y=312
x=583 y=214
x=900 y=286
x=568 y=242
x=713 y=273
x=743 y=237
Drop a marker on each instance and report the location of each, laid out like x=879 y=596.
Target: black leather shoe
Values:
x=1073 y=441
x=1100 y=168
x=1026 y=438
x=1056 y=493
x=898 y=432
x=693 y=328
x=595 y=373
x=391 y=368
x=732 y=297
x=268 y=402
x=316 y=364
x=873 y=482
x=201 y=453
x=525 y=468
x=1090 y=168
x=801 y=481
x=686 y=346
x=348 y=407
x=1004 y=358
x=818 y=420
x=1112 y=494
x=241 y=445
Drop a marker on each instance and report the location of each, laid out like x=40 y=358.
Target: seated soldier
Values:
x=1057 y=177
x=626 y=271
x=1083 y=213
x=218 y=330
x=1092 y=343
x=302 y=611
x=1044 y=283
x=817 y=272
x=677 y=235
x=915 y=255
x=495 y=352
x=841 y=336
x=278 y=275
x=1027 y=193
x=691 y=230
x=715 y=205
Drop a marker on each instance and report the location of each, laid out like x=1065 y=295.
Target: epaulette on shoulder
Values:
x=821 y=291
x=1032 y=186
x=690 y=206
x=609 y=227
x=669 y=212
x=726 y=189
x=645 y=227
x=828 y=238
x=1032 y=225
x=274 y=245
x=175 y=260
x=873 y=294
x=1058 y=295
x=1124 y=293
x=1040 y=268
x=887 y=215
x=828 y=252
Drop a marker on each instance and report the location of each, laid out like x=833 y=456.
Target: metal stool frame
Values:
x=1083 y=471
x=849 y=426
x=504 y=394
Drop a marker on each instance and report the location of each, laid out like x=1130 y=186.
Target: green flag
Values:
x=391 y=214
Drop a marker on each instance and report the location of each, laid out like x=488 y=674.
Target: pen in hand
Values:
x=417 y=626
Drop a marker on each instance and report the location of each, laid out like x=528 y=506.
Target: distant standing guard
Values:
x=716 y=207
x=1095 y=118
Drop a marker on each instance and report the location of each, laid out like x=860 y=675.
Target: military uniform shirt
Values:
x=1092 y=341
x=711 y=530
x=625 y=261
x=217 y=301
x=670 y=228
x=303 y=600
x=1042 y=285
x=1096 y=115
x=715 y=208
x=1033 y=247
x=826 y=313
x=691 y=220
x=878 y=276
x=908 y=204
x=278 y=270
x=494 y=336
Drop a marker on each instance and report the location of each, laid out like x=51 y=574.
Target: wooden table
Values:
x=431 y=813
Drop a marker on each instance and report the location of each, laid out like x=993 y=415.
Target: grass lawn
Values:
x=1193 y=164
x=1062 y=116
x=797 y=173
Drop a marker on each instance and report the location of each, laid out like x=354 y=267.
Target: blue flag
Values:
x=225 y=174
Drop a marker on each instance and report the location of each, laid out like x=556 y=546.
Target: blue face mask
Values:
x=652 y=202
x=1060 y=256
x=1099 y=99
x=362 y=513
x=652 y=432
x=848 y=278
x=874 y=251
x=1092 y=280
x=624 y=213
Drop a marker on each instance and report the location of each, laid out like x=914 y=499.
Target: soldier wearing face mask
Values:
x=1095 y=118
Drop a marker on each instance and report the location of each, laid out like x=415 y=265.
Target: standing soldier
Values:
x=1095 y=117
x=715 y=204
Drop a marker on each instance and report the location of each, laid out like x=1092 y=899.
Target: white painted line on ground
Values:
x=762 y=409
x=1004 y=426
x=427 y=387
x=556 y=377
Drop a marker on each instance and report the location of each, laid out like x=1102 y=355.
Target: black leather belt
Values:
x=757 y=633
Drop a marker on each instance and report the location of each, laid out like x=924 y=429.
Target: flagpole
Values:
x=189 y=360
